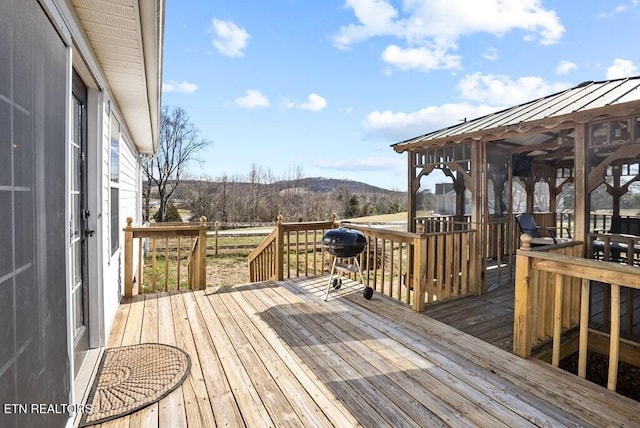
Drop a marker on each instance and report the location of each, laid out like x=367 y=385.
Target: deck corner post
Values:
x=279 y=248
x=419 y=273
x=202 y=256
x=128 y=258
x=334 y=220
x=522 y=317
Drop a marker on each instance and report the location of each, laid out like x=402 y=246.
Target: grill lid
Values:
x=344 y=242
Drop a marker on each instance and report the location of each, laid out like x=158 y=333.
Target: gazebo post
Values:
x=411 y=206
x=411 y=192
x=478 y=211
x=459 y=187
x=616 y=191
x=529 y=186
x=581 y=198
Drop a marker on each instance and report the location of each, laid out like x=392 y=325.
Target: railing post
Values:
x=522 y=319
x=419 y=272
x=202 y=256
x=614 y=338
x=128 y=258
x=279 y=248
x=216 y=227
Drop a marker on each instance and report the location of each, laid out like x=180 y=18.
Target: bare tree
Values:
x=201 y=200
x=223 y=201
x=179 y=144
x=260 y=180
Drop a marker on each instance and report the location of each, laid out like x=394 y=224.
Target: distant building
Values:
x=446 y=199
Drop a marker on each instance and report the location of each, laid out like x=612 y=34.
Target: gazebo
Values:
x=574 y=142
x=579 y=139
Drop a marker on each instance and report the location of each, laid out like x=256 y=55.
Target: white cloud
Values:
x=254 y=99
x=482 y=94
x=427 y=24
x=621 y=68
x=345 y=110
x=623 y=7
x=420 y=58
x=398 y=126
x=375 y=17
x=362 y=164
x=565 y=67
x=491 y=54
x=314 y=103
x=229 y=39
x=183 y=87
x=502 y=90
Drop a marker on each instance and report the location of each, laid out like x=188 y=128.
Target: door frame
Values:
x=94 y=322
x=78 y=217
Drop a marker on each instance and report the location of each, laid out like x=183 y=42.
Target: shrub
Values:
x=172 y=214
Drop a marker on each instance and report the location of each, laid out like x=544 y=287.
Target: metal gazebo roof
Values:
x=583 y=103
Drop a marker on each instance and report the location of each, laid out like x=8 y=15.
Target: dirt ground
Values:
x=598 y=371
x=227 y=270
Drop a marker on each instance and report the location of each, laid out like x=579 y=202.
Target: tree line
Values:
x=258 y=196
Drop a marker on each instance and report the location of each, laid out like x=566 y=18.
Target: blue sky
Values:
x=329 y=85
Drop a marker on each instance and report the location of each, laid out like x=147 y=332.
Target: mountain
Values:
x=326 y=185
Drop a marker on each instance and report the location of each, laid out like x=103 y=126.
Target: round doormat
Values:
x=133 y=377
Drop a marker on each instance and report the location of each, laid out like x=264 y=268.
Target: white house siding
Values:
x=129 y=186
x=130 y=198
x=128 y=206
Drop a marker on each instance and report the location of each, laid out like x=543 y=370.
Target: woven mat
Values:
x=133 y=377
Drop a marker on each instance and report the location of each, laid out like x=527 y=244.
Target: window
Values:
x=114 y=179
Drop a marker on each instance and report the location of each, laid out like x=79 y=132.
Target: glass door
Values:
x=78 y=224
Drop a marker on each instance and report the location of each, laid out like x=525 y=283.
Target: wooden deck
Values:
x=488 y=317
x=276 y=354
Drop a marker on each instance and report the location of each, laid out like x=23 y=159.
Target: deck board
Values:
x=488 y=317
x=557 y=388
x=171 y=409
x=274 y=354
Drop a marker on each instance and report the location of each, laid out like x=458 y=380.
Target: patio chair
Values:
x=623 y=233
x=528 y=226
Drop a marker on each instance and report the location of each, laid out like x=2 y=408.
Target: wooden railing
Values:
x=222 y=240
x=168 y=251
x=499 y=230
x=552 y=295
x=441 y=223
x=618 y=248
x=291 y=249
x=498 y=247
x=413 y=268
x=387 y=264
x=262 y=260
x=597 y=222
x=614 y=247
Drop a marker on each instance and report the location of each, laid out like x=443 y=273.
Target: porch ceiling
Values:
x=540 y=121
x=127 y=38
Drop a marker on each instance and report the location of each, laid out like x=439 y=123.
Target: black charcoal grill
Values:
x=345 y=245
